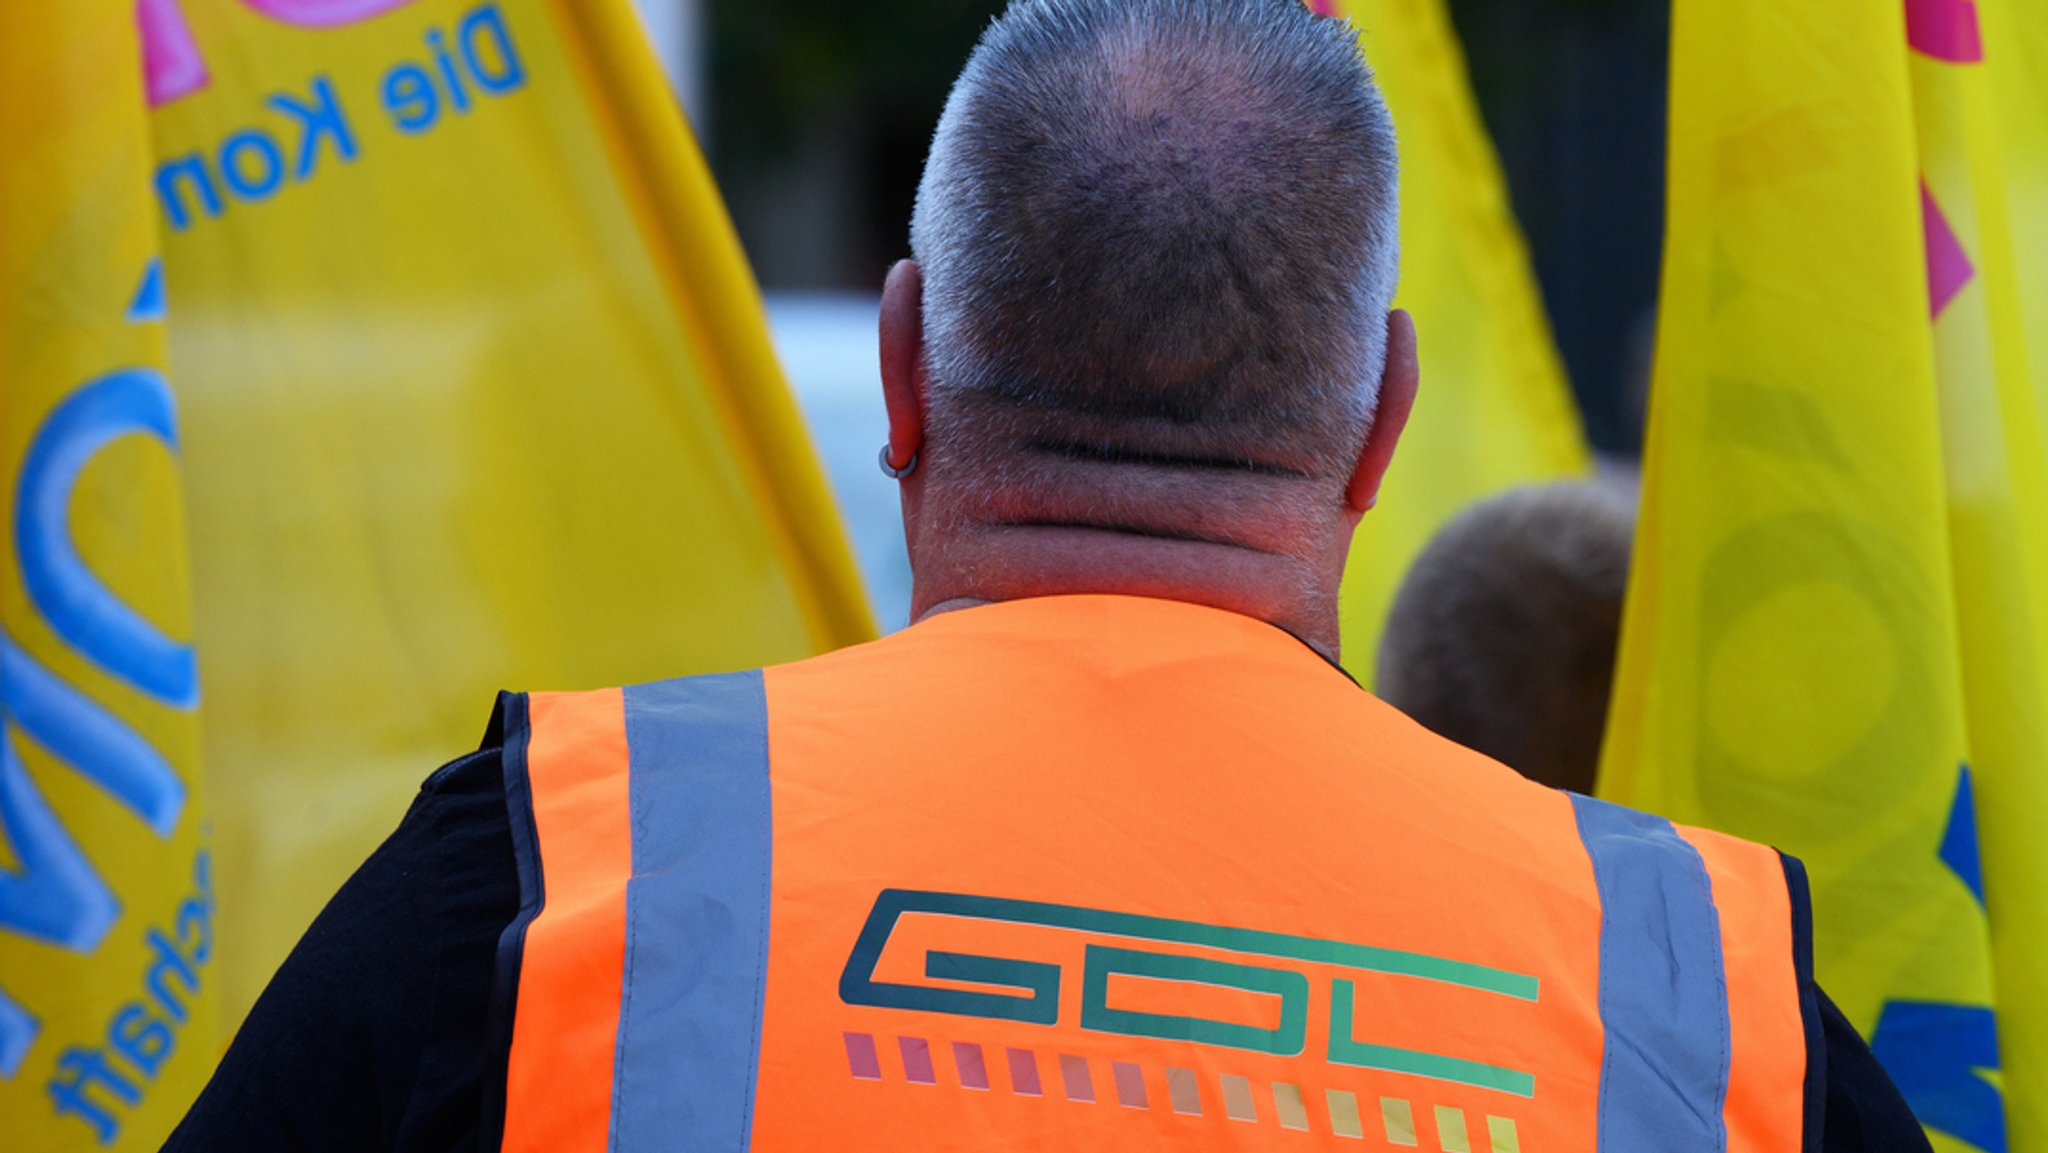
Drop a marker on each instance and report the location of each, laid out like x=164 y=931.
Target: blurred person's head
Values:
x=1502 y=636
x=1144 y=344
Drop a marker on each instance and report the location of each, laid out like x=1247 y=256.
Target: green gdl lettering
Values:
x=1037 y=983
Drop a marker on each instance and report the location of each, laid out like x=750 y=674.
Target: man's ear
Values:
x=1397 y=397
x=903 y=360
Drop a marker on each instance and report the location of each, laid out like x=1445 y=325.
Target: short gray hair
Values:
x=1174 y=215
x=1503 y=634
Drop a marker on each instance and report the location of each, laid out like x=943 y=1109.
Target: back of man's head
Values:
x=1502 y=636
x=1160 y=230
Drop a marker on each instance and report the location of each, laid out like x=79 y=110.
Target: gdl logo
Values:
x=1037 y=999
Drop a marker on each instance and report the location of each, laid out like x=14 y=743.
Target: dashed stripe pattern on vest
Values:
x=1281 y=1104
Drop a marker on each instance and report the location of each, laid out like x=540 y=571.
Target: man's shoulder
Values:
x=480 y=772
x=388 y=1001
x=1397 y=736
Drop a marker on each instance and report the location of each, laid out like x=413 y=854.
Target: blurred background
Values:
x=815 y=116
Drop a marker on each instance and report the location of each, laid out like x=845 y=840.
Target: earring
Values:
x=891 y=470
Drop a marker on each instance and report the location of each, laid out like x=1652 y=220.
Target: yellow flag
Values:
x=1830 y=542
x=107 y=956
x=1985 y=203
x=478 y=394
x=1494 y=411
x=2018 y=62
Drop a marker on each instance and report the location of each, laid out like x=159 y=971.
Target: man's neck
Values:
x=1009 y=562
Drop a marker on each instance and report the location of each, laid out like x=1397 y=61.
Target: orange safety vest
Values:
x=1110 y=872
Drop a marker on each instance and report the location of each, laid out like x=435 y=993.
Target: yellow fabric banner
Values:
x=2019 y=77
x=1495 y=410
x=1982 y=178
x=2016 y=791
x=478 y=393
x=1836 y=631
x=107 y=949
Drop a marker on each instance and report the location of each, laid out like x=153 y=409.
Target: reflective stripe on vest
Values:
x=1661 y=984
x=1085 y=870
x=664 y=887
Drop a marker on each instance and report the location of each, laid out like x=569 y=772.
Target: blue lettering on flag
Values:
x=410 y=98
x=504 y=72
x=256 y=163
x=98 y=1084
x=53 y=893
x=1935 y=1054
x=1959 y=841
x=174 y=177
x=148 y=305
x=56 y=895
x=319 y=119
x=79 y=731
x=78 y=607
x=252 y=182
x=18 y=1029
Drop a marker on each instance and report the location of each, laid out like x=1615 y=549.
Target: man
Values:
x=1502 y=636
x=1104 y=850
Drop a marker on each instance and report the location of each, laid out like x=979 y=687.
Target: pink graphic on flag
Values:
x=324 y=13
x=1945 y=30
x=1948 y=266
x=171 y=64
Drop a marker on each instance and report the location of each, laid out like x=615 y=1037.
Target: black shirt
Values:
x=380 y=1031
